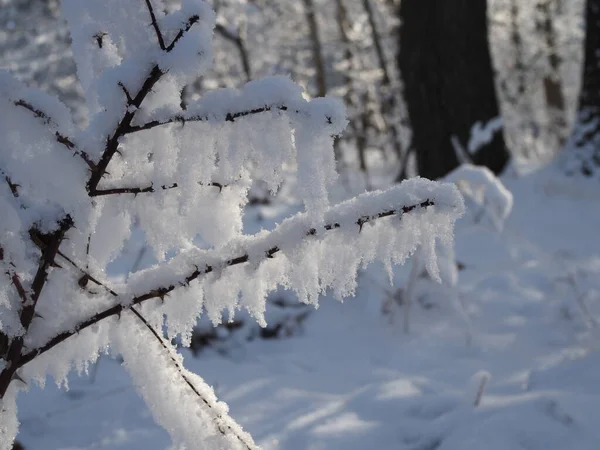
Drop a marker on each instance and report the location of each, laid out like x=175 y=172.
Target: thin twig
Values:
x=147 y=189
x=60 y=138
x=237 y=40
x=159 y=36
x=191 y=21
x=86 y=275
x=249 y=445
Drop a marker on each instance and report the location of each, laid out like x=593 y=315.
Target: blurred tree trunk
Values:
x=589 y=98
x=445 y=63
x=317 y=51
x=387 y=99
x=586 y=132
x=553 y=91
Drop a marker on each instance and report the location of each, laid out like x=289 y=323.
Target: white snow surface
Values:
x=519 y=331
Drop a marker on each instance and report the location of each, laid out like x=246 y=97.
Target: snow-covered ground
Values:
x=507 y=360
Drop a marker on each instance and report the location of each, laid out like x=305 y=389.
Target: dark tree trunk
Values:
x=586 y=133
x=445 y=62
x=589 y=98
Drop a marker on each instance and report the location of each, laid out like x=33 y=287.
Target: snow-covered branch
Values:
x=363 y=210
x=223 y=421
x=182 y=119
x=65 y=219
x=49 y=244
x=229 y=105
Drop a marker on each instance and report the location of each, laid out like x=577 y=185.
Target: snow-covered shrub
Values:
x=68 y=197
x=487 y=197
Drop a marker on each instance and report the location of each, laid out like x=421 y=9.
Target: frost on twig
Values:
x=183 y=176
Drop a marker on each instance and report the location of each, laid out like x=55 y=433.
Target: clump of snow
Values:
x=482 y=134
x=480 y=185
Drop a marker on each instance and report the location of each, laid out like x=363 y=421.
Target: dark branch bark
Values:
x=147 y=189
x=159 y=36
x=60 y=138
x=230 y=117
x=162 y=292
x=191 y=21
x=124 y=125
x=49 y=244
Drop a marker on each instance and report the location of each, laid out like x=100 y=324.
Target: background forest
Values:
x=501 y=97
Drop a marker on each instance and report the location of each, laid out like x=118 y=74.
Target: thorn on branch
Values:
x=16 y=281
x=163 y=292
x=14 y=188
x=64 y=140
x=181 y=120
x=99 y=37
x=83 y=281
x=126 y=92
